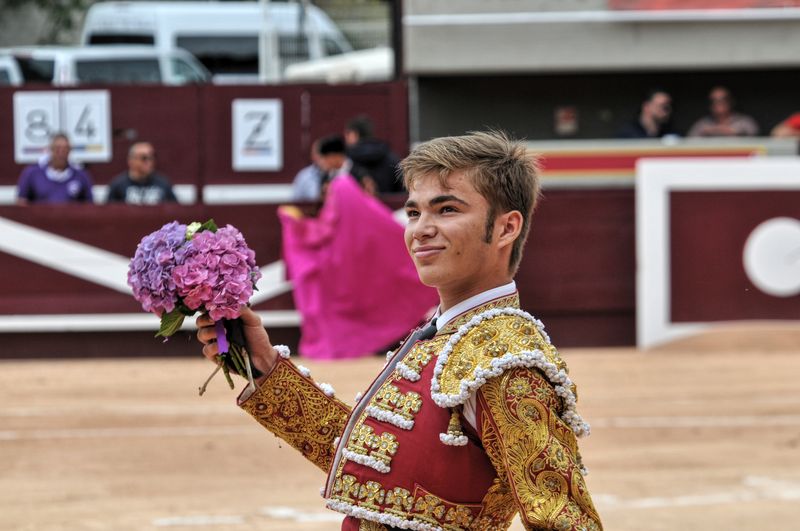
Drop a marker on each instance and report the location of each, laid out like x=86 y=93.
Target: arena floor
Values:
x=702 y=434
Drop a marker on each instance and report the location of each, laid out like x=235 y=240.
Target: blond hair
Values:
x=500 y=169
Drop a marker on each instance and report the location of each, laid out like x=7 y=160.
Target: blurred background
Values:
x=229 y=98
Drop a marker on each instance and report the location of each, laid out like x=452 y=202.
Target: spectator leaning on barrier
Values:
x=308 y=181
x=789 y=128
x=373 y=155
x=141 y=184
x=53 y=179
x=654 y=117
x=723 y=120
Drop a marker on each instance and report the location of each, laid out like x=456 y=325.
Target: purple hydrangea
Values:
x=150 y=273
x=217 y=273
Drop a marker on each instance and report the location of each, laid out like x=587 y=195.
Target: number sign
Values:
x=84 y=116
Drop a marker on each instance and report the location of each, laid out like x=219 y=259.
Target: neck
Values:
x=450 y=297
x=60 y=166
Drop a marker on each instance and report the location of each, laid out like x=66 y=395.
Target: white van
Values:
x=9 y=70
x=76 y=65
x=361 y=66
x=224 y=36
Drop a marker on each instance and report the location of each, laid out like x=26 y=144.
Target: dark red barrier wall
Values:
x=191 y=126
x=577 y=274
x=708 y=232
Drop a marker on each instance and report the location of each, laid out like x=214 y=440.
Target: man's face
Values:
x=660 y=107
x=446 y=235
x=351 y=137
x=141 y=161
x=59 y=153
x=331 y=161
x=720 y=102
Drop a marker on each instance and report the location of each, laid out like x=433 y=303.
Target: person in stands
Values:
x=54 y=179
x=653 y=120
x=141 y=184
x=723 y=119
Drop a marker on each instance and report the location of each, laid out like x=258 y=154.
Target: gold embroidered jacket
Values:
x=407 y=460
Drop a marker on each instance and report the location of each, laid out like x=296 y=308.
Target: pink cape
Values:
x=354 y=282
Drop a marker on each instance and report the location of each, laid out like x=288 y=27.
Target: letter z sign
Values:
x=257 y=135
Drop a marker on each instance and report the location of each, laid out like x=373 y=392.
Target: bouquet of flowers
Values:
x=182 y=269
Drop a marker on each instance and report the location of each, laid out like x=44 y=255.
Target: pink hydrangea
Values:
x=217 y=273
x=213 y=271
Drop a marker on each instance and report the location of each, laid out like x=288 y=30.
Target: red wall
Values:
x=191 y=126
x=708 y=231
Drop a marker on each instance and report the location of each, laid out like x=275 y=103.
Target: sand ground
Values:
x=702 y=434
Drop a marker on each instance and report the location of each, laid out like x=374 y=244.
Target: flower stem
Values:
x=205 y=384
x=236 y=356
x=227 y=372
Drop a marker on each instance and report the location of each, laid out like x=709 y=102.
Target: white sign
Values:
x=257 y=135
x=36 y=117
x=84 y=116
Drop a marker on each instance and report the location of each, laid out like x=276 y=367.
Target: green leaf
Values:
x=170 y=323
x=209 y=225
x=185 y=310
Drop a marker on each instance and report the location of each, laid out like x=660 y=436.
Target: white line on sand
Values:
x=719 y=421
x=121 y=409
x=753 y=488
x=110 y=433
x=275 y=513
x=199 y=520
x=299 y=515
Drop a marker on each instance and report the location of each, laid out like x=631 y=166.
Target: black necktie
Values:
x=419 y=334
x=428 y=332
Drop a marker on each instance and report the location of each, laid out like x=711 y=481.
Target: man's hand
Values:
x=262 y=354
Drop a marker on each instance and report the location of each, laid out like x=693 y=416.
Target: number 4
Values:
x=85 y=127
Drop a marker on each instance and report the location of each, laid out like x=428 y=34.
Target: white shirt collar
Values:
x=473 y=302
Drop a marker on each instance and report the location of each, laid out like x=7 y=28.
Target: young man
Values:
x=473 y=418
x=141 y=184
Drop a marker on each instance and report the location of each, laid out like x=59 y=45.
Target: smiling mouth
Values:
x=426 y=252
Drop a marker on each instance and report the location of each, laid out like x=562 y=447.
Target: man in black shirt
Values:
x=654 y=117
x=372 y=155
x=141 y=185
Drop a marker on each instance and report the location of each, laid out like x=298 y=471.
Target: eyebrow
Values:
x=439 y=199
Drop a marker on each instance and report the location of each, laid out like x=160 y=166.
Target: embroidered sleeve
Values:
x=299 y=411
x=535 y=451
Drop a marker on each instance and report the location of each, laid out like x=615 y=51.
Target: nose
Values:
x=423 y=227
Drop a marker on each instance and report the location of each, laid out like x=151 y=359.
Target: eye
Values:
x=448 y=208
x=411 y=213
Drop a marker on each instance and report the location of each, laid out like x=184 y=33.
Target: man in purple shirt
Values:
x=54 y=179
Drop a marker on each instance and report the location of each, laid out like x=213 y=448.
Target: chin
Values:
x=429 y=278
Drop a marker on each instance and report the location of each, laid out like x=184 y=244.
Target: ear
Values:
x=508 y=227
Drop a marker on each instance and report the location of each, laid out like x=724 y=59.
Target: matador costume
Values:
x=461 y=430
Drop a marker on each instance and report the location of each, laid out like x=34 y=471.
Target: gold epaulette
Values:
x=493 y=342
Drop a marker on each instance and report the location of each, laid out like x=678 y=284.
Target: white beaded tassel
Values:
x=454 y=435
